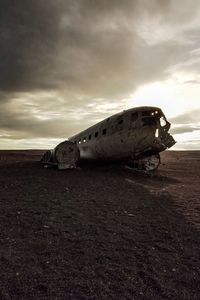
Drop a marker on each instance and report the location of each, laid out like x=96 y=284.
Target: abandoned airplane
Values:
x=137 y=135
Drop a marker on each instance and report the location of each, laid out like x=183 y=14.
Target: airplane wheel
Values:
x=151 y=163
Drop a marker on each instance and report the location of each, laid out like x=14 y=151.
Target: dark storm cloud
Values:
x=80 y=45
x=28 y=36
x=85 y=51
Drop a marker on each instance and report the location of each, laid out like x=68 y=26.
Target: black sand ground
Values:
x=103 y=232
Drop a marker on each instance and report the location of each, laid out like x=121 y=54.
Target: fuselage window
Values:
x=96 y=134
x=120 y=122
x=104 y=131
x=134 y=116
x=79 y=142
x=90 y=136
x=74 y=142
x=84 y=139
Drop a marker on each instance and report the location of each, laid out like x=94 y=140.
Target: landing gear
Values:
x=148 y=163
x=151 y=163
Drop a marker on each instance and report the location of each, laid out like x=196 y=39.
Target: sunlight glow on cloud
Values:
x=171 y=97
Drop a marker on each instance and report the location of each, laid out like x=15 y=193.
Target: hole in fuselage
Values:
x=162 y=122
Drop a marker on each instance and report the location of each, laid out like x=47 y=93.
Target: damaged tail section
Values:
x=65 y=156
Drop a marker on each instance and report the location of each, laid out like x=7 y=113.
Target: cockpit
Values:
x=154 y=117
x=155 y=126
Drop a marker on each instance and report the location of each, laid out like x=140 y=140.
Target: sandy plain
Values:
x=99 y=232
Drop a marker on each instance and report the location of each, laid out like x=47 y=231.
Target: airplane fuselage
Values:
x=131 y=134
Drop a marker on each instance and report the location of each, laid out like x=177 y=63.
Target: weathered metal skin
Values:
x=132 y=134
x=137 y=134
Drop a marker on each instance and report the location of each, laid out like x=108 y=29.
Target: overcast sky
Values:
x=67 y=64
